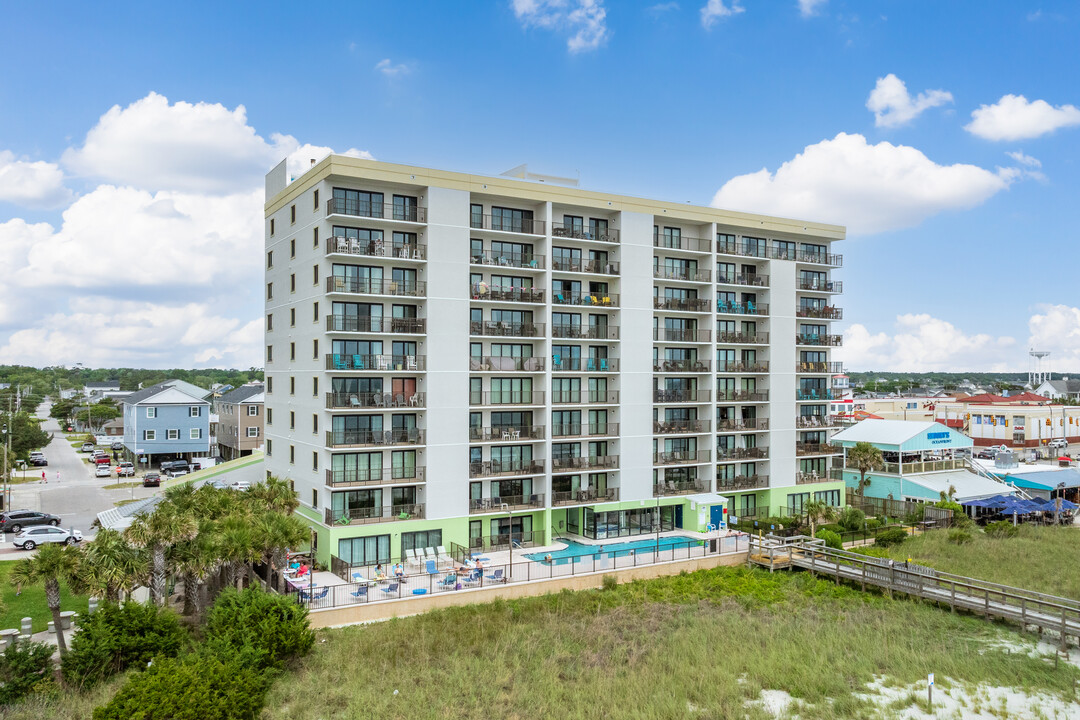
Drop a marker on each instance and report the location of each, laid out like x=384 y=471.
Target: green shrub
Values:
x=959 y=517
x=117 y=637
x=959 y=537
x=22 y=666
x=870 y=551
x=610 y=582
x=888 y=538
x=269 y=629
x=832 y=539
x=1002 y=529
x=872 y=523
x=851 y=518
x=833 y=527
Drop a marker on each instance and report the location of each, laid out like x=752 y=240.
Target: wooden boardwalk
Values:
x=1047 y=612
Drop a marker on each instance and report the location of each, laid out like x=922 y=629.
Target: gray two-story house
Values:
x=167 y=421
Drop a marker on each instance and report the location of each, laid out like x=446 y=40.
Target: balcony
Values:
x=382 y=211
x=377 y=401
x=742 y=482
x=499 y=223
x=366 y=516
x=808 y=422
x=373 y=438
x=506 y=433
x=665 y=397
x=588 y=495
x=584 y=462
x=819 y=340
x=680 y=366
x=678 y=427
x=741 y=338
x=817 y=394
x=745 y=308
x=681 y=457
x=742 y=249
x=733 y=454
x=565 y=430
x=527 y=261
x=584 y=265
x=485 y=363
x=807 y=478
x=499 y=468
x=584 y=397
x=688 y=335
x=825 y=312
x=742 y=424
x=923 y=466
x=806 y=256
x=491 y=328
x=682 y=242
x=822 y=286
x=819 y=368
x=506 y=503
x=681 y=304
x=602 y=300
x=481 y=291
x=508 y=397
x=376 y=363
x=813 y=448
x=378 y=324
x=745 y=396
x=565 y=331
x=684 y=487
x=376 y=248
x=379 y=476
x=748 y=279
x=755 y=368
x=563 y=230
x=681 y=273
x=603 y=365
x=375 y=286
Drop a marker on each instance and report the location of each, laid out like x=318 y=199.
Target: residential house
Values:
x=165 y=422
x=1063 y=389
x=240 y=415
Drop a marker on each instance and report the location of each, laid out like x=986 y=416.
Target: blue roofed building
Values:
x=167 y=421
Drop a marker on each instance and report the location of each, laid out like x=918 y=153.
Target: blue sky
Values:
x=132 y=144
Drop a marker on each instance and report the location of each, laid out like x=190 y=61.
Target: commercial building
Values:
x=1026 y=420
x=462 y=359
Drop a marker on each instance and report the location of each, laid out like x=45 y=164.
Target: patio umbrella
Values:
x=1065 y=458
x=1068 y=505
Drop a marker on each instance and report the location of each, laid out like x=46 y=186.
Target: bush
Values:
x=959 y=517
x=23 y=666
x=269 y=629
x=1002 y=530
x=610 y=582
x=831 y=539
x=870 y=551
x=117 y=637
x=851 y=518
x=833 y=527
x=872 y=523
x=888 y=538
x=958 y=536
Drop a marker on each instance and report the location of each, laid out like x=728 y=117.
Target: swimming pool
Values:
x=574 y=551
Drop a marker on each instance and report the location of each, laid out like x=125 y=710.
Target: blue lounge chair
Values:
x=750 y=307
x=448 y=583
x=361 y=592
x=721 y=306
x=559 y=297
x=358 y=362
x=318 y=596
x=496 y=576
x=472 y=578
x=339 y=363
x=603 y=364
x=391 y=588
x=429 y=567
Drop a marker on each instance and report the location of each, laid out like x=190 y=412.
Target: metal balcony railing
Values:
x=819 y=340
x=375 y=286
x=806 y=256
x=742 y=249
x=730 y=454
x=750 y=279
x=817 y=394
x=507 y=397
x=585 y=462
x=680 y=396
x=367 y=438
x=564 y=430
x=507 y=259
x=754 y=368
x=481 y=291
x=503 y=224
x=378 y=476
x=741 y=338
x=667 y=272
x=742 y=424
x=565 y=230
x=681 y=457
x=680 y=366
x=584 y=397
x=376 y=401
x=741 y=308
x=494 y=468
x=686 y=487
x=588 y=495
x=506 y=502
x=597 y=299
x=690 y=335
x=401 y=250
x=584 y=265
x=378 y=363
x=681 y=304
x=826 y=312
x=825 y=286
x=809 y=448
x=681 y=242
x=492 y=328
x=487 y=363
x=368 y=324
x=805 y=422
x=819 y=367
x=723 y=395
x=385 y=513
x=506 y=433
x=380 y=210
x=676 y=427
x=742 y=482
x=568 y=331
x=574 y=364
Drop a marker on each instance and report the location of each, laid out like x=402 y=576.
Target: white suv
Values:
x=1061 y=443
x=30 y=538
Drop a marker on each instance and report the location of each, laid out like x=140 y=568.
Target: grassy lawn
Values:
x=122 y=485
x=1039 y=558
x=32 y=602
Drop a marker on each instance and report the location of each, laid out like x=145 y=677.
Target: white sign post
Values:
x=930 y=689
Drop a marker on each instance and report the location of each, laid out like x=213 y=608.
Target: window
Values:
x=315 y=312
x=292 y=419
x=271 y=227
x=314 y=498
x=476 y=215
x=315 y=239
x=314 y=423
x=194 y=411
x=292 y=213
x=365 y=550
x=269 y=291
x=269 y=447
x=269 y=385
x=269 y=259
x=253 y=432
x=315 y=274
x=315 y=460
x=151 y=412
x=292 y=457
x=253 y=410
x=292 y=282
x=315 y=349
x=172 y=434
x=292 y=351
x=195 y=434
x=832 y=497
x=315 y=205
x=269 y=416
x=315 y=387
x=292 y=384
x=269 y=322
x=149 y=434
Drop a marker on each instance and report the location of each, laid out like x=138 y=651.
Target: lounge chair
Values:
x=496 y=576
x=361 y=592
x=444 y=557
x=391 y=588
x=411 y=558
x=429 y=567
x=472 y=578
x=448 y=583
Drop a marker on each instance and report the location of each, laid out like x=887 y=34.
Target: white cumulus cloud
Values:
x=714 y=10
x=32 y=184
x=585 y=21
x=1013 y=117
x=389 y=69
x=923 y=343
x=809 y=7
x=893 y=105
x=1056 y=328
x=868 y=188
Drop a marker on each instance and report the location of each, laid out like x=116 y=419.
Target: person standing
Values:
x=57 y=476
x=43 y=477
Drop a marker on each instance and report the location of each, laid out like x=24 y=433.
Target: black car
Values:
x=151 y=479
x=117 y=446
x=15 y=520
x=39 y=461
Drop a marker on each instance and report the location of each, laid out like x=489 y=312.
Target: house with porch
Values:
x=166 y=422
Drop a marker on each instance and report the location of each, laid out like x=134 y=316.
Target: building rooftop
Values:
x=176 y=386
x=253 y=393
x=968 y=485
x=906 y=435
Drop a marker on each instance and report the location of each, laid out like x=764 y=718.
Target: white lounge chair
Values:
x=430 y=554
x=411 y=558
x=444 y=557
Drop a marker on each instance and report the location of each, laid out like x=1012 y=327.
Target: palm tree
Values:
x=865 y=458
x=273 y=534
x=195 y=560
x=51 y=564
x=158 y=531
x=275 y=494
x=236 y=548
x=817 y=511
x=111 y=565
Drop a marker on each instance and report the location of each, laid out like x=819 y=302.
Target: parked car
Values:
x=87 y=447
x=38 y=461
x=102 y=460
x=986 y=453
x=126 y=470
x=36 y=453
x=176 y=472
x=103 y=471
x=151 y=479
x=1058 y=444
x=32 y=537
x=234 y=485
x=117 y=445
x=16 y=520
x=170 y=465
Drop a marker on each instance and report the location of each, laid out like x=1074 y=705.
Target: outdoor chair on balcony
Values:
x=383 y=362
x=414 y=400
x=339 y=363
x=380 y=400
x=560 y=299
x=750 y=308
x=388 y=437
x=357 y=362
x=399 y=400
x=354 y=401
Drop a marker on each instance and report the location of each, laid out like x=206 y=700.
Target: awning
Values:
x=968 y=485
x=706 y=498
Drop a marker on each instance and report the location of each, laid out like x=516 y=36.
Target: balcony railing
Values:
x=498 y=222
x=830 y=368
x=585 y=462
x=665 y=272
x=751 y=279
x=584 y=265
x=806 y=256
x=830 y=475
x=568 y=331
x=563 y=230
x=681 y=242
x=375 y=286
x=506 y=433
x=741 y=338
x=924 y=466
x=381 y=210
x=742 y=249
x=377 y=248
x=742 y=424
x=378 y=476
x=340 y=361
x=365 y=516
x=506 y=503
x=508 y=259
x=825 y=286
x=680 y=366
x=826 y=312
x=742 y=395
x=742 y=482
x=742 y=308
x=681 y=304
x=822 y=394
x=598 y=299
x=761 y=366
x=808 y=448
x=561 y=364
x=508 y=397
x=564 y=430
x=363 y=400
x=691 y=335
x=680 y=396
x=805 y=422
x=686 y=487
x=486 y=363
x=368 y=324
x=492 y=328
x=588 y=495
x=675 y=427
x=681 y=457
x=481 y=291
x=753 y=453
x=819 y=340
x=368 y=438
x=584 y=397
x=495 y=468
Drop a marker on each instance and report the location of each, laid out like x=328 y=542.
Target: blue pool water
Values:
x=575 y=550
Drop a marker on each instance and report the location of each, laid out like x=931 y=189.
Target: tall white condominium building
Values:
x=464 y=360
